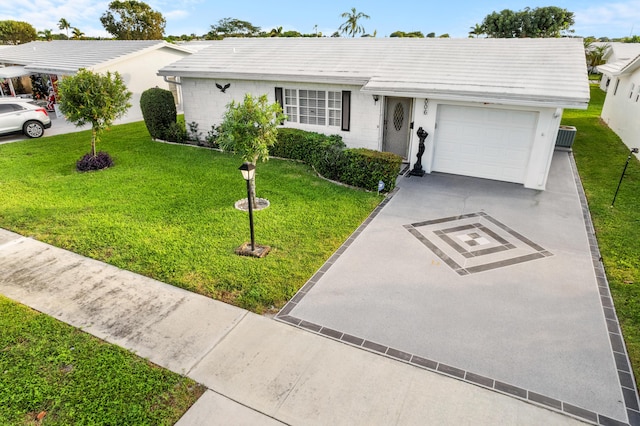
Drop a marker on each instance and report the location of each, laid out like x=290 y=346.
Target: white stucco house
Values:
x=491 y=107
x=136 y=60
x=621 y=109
x=617 y=56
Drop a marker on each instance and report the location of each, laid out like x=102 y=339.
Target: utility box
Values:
x=566 y=136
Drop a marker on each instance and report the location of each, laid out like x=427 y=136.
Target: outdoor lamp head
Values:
x=634 y=150
x=247 y=170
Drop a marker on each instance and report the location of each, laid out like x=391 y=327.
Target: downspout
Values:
x=176 y=82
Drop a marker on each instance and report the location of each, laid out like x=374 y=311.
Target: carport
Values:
x=8 y=73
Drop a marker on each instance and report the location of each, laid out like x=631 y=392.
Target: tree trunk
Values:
x=93 y=142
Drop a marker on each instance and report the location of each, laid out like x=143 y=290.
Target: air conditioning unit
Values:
x=566 y=136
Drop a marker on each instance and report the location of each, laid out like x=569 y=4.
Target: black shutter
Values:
x=280 y=99
x=346 y=110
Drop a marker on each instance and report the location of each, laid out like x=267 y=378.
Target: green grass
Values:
x=167 y=212
x=601 y=156
x=68 y=377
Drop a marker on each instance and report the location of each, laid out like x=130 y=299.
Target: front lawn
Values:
x=600 y=156
x=167 y=212
x=54 y=374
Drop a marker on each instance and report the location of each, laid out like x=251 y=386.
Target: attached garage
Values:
x=481 y=142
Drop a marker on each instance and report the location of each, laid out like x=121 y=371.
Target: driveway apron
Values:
x=485 y=281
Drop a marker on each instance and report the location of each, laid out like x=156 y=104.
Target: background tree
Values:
x=476 y=31
x=16 y=32
x=63 y=24
x=46 y=35
x=351 y=26
x=548 y=21
x=92 y=98
x=76 y=34
x=414 y=34
x=595 y=54
x=133 y=20
x=231 y=27
x=431 y=35
x=249 y=128
x=276 y=32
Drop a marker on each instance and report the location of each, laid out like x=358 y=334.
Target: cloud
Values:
x=601 y=20
x=45 y=14
x=175 y=14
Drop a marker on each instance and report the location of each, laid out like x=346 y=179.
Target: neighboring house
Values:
x=621 y=107
x=616 y=57
x=492 y=107
x=136 y=60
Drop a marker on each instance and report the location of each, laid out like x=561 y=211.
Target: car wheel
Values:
x=33 y=129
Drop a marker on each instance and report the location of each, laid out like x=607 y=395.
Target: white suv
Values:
x=23 y=116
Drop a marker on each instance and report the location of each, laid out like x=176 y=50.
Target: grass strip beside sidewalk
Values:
x=54 y=374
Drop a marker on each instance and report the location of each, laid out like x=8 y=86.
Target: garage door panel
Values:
x=484 y=142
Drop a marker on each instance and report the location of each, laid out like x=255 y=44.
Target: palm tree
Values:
x=46 y=35
x=350 y=26
x=276 y=32
x=595 y=55
x=476 y=31
x=76 y=34
x=63 y=24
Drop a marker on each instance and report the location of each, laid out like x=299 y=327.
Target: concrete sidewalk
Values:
x=257 y=370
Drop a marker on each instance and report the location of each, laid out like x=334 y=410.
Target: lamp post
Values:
x=633 y=151
x=248 y=171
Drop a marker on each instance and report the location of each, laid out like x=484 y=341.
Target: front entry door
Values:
x=396 y=126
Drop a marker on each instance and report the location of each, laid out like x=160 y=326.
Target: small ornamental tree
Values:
x=98 y=99
x=249 y=128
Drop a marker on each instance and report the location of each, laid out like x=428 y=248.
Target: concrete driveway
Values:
x=484 y=281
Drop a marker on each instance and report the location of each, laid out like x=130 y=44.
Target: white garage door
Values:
x=484 y=142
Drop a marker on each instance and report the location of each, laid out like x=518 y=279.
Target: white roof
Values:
x=549 y=72
x=620 y=51
x=612 y=68
x=13 y=71
x=68 y=56
x=631 y=66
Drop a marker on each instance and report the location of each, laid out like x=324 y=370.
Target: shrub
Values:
x=100 y=161
x=175 y=132
x=365 y=168
x=360 y=167
x=158 y=110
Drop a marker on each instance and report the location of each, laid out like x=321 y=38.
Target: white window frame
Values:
x=314 y=107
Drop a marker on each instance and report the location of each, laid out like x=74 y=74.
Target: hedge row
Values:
x=359 y=167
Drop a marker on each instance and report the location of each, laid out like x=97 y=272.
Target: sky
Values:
x=599 y=18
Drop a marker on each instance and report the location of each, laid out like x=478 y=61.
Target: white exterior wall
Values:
x=542 y=148
x=605 y=81
x=206 y=104
x=621 y=111
x=140 y=73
